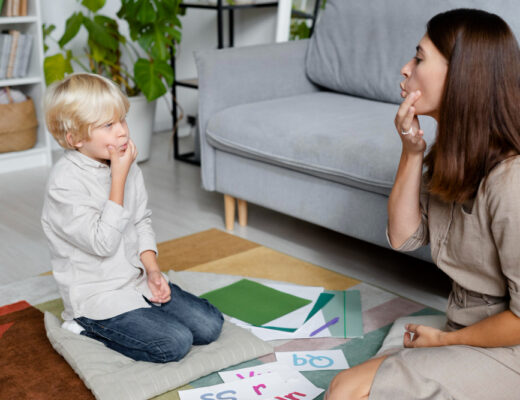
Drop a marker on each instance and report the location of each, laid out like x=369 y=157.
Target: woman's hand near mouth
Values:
x=408 y=126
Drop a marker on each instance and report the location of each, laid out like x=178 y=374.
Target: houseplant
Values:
x=139 y=66
x=300 y=29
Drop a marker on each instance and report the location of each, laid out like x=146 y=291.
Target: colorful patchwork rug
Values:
x=31 y=369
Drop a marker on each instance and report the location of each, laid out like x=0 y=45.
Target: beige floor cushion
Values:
x=110 y=375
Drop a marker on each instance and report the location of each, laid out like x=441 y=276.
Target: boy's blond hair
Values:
x=79 y=102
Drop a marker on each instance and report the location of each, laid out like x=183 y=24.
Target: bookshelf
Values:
x=32 y=85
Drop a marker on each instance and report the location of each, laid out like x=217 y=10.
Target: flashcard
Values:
x=283 y=370
x=262 y=387
x=313 y=360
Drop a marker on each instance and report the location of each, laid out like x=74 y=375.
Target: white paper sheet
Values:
x=262 y=387
x=316 y=360
x=283 y=370
x=303 y=332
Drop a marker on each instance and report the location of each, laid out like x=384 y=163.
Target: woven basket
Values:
x=18 y=125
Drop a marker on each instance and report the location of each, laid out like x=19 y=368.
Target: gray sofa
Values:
x=306 y=128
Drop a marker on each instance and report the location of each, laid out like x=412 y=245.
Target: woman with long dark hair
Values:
x=466 y=205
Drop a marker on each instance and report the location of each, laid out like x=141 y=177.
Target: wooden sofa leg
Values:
x=229 y=211
x=242 y=212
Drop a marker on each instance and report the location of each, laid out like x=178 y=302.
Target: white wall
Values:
x=199 y=31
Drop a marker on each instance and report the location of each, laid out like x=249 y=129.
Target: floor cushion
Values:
x=110 y=375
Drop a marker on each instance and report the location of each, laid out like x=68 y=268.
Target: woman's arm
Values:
x=404 y=214
x=499 y=330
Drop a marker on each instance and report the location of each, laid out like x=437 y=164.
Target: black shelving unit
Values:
x=220 y=7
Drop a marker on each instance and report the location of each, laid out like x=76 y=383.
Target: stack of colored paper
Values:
x=284 y=311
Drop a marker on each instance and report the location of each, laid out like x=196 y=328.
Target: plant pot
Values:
x=140 y=120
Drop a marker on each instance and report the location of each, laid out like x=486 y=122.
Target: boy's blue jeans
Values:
x=161 y=333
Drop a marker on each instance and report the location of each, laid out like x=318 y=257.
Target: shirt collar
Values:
x=83 y=161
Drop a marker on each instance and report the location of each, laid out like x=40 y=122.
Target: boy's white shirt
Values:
x=95 y=243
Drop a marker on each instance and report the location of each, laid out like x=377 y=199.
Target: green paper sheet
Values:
x=346 y=305
x=253 y=302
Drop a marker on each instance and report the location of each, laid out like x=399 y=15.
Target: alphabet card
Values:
x=315 y=360
x=261 y=387
x=283 y=370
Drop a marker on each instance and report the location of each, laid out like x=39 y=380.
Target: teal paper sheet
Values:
x=323 y=299
x=346 y=304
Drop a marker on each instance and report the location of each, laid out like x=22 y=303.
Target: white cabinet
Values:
x=32 y=85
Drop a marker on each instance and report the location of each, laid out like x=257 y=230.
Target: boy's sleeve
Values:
x=76 y=218
x=143 y=220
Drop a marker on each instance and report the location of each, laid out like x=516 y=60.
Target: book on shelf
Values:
x=23 y=7
x=12 y=53
x=15 y=53
x=5 y=49
x=13 y=8
x=23 y=68
x=18 y=55
x=16 y=8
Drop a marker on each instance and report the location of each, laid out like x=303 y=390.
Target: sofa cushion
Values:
x=364 y=59
x=341 y=138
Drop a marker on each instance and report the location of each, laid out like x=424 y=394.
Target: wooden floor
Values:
x=181 y=207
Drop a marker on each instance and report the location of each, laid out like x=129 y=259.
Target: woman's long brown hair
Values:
x=479 y=119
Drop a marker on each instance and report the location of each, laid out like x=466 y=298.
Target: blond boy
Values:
x=99 y=231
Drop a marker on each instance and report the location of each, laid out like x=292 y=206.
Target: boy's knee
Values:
x=172 y=348
x=210 y=330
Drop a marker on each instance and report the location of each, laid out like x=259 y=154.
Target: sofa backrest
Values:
x=359 y=46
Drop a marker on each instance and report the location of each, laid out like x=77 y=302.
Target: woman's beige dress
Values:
x=478 y=246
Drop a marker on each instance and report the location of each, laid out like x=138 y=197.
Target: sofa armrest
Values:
x=230 y=77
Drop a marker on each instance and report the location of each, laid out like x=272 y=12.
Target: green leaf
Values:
x=148 y=79
x=156 y=42
x=93 y=5
x=101 y=54
x=46 y=32
x=175 y=34
x=100 y=34
x=168 y=8
x=111 y=27
x=145 y=11
x=72 y=27
x=56 y=67
x=47 y=29
x=165 y=70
